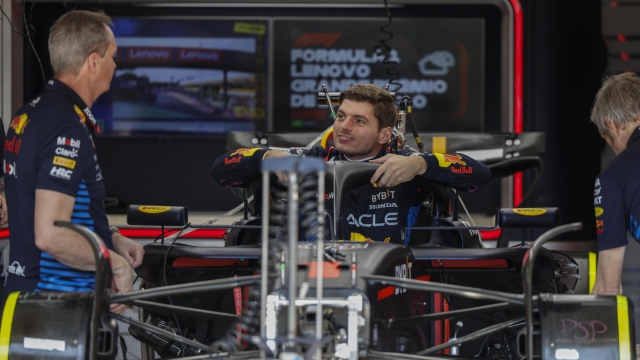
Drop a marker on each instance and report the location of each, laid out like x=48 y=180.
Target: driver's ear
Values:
x=385 y=135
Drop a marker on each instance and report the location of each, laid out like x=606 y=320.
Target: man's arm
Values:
x=69 y=247
x=397 y=169
x=458 y=171
x=609 y=272
x=130 y=250
x=238 y=168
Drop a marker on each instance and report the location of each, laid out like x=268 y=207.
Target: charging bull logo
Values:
x=19 y=123
x=359 y=237
x=244 y=152
x=599 y=226
x=80 y=113
x=446 y=160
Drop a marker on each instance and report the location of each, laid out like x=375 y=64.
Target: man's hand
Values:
x=4 y=218
x=130 y=250
x=609 y=272
x=397 y=169
x=122 y=279
x=282 y=176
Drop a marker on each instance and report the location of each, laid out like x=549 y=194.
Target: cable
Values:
x=26 y=25
x=385 y=50
x=164 y=273
x=533 y=185
x=11 y=24
x=27 y=35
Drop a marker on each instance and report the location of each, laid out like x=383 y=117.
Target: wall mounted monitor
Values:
x=439 y=62
x=177 y=77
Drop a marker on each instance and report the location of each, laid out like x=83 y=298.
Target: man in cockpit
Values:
x=362 y=131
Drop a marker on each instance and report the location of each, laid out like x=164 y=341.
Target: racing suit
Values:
x=369 y=213
x=616 y=199
x=49 y=146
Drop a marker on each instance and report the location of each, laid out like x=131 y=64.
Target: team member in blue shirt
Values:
x=616 y=112
x=52 y=172
x=361 y=132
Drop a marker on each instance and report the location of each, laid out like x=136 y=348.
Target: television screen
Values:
x=440 y=64
x=186 y=77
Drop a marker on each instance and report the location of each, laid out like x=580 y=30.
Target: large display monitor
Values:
x=440 y=63
x=179 y=77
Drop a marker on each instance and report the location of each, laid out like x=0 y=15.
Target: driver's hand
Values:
x=282 y=176
x=397 y=169
x=122 y=280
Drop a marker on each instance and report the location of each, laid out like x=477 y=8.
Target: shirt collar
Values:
x=634 y=136
x=60 y=87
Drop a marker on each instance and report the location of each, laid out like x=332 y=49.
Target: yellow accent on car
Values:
x=325 y=138
x=593 y=266
x=438 y=144
x=7 y=322
x=624 y=343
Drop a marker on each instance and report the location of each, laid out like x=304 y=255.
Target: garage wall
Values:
x=565 y=59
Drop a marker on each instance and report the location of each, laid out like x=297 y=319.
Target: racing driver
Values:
x=52 y=172
x=362 y=132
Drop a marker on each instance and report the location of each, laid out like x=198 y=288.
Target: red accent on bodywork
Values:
x=437 y=308
x=385 y=292
x=491 y=234
x=330 y=270
x=154 y=233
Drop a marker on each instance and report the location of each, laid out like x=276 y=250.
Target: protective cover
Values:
x=584 y=326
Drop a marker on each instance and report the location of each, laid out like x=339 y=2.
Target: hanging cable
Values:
x=27 y=34
x=385 y=50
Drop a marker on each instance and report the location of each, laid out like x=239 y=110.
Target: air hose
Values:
x=309 y=206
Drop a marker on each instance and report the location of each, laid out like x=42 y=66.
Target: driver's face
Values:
x=356 y=131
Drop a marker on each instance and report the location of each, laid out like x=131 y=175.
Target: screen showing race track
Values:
x=440 y=64
x=186 y=77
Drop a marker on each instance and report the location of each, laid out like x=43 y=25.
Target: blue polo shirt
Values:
x=49 y=146
x=616 y=197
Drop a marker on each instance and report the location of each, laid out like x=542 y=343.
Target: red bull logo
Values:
x=599 y=226
x=454 y=159
x=19 y=123
x=244 y=152
x=446 y=160
x=80 y=113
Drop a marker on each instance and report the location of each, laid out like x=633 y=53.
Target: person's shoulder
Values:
x=623 y=164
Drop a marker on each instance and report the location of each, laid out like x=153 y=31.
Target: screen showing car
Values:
x=186 y=77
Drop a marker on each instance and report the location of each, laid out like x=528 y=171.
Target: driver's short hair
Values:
x=617 y=100
x=74 y=37
x=384 y=105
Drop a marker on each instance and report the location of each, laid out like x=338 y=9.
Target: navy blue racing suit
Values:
x=369 y=213
x=616 y=197
x=49 y=146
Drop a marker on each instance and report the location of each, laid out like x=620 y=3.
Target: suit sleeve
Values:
x=458 y=171
x=238 y=168
x=64 y=160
